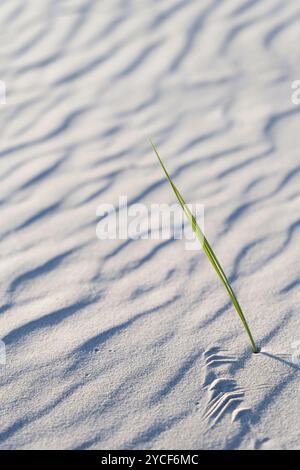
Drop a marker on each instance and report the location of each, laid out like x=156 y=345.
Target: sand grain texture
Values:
x=134 y=344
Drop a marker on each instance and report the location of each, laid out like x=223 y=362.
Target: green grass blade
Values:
x=208 y=251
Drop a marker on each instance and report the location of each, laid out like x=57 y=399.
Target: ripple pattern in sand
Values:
x=106 y=341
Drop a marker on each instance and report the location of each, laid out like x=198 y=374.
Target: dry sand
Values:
x=134 y=344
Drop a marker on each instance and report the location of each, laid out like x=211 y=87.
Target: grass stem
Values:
x=209 y=252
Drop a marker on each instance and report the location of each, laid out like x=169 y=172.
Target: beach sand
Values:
x=121 y=344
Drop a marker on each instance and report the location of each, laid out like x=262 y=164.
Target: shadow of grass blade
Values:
x=208 y=251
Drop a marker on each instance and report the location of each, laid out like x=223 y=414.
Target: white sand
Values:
x=119 y=344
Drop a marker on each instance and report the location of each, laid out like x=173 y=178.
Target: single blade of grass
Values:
x=208 y=251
